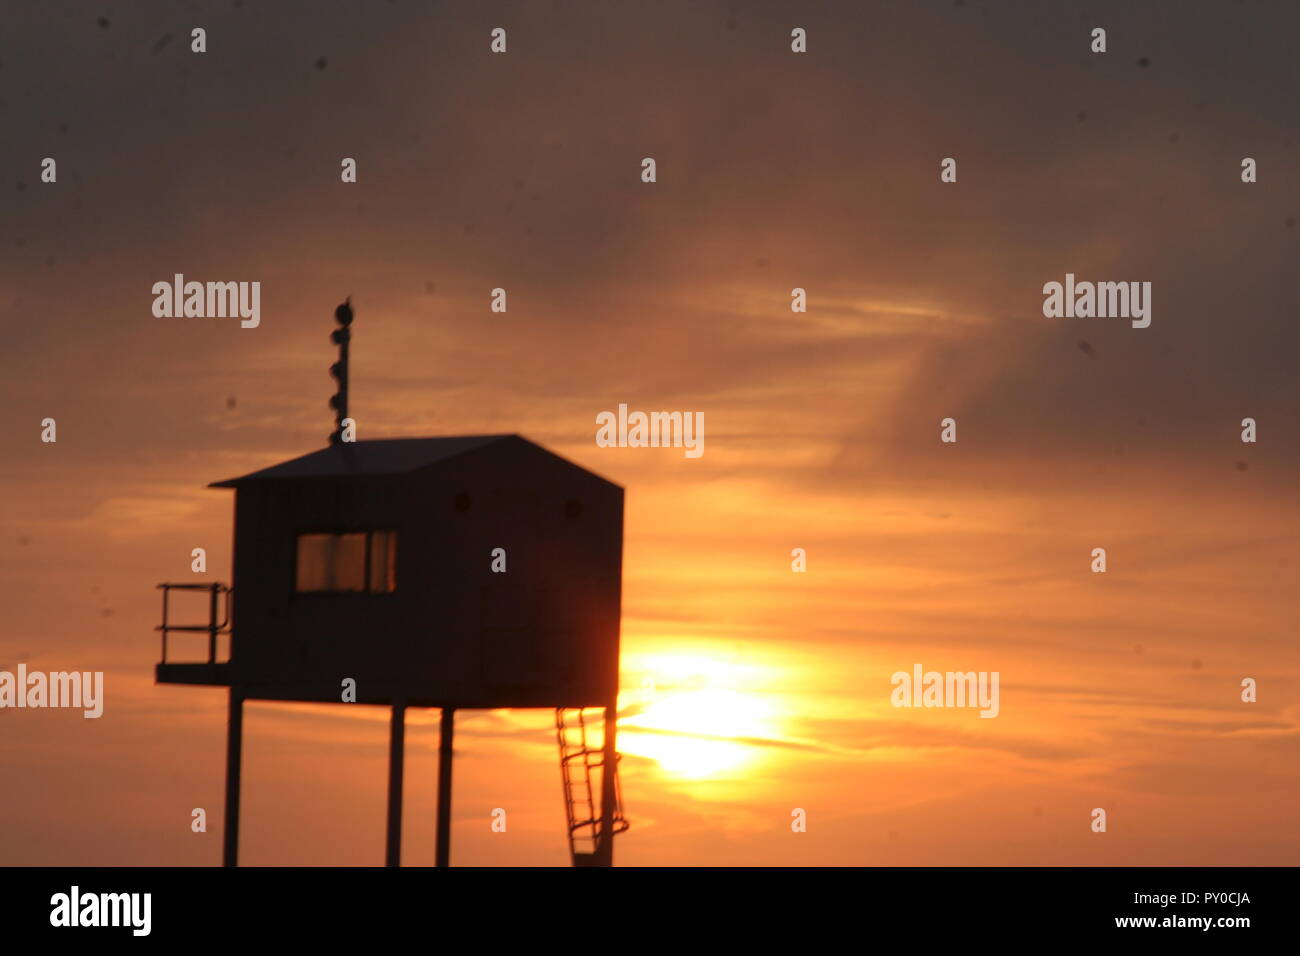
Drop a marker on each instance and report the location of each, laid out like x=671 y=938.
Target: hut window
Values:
x=381 y=571
x=362 y=561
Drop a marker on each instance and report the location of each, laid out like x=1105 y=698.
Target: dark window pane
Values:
x=383 y=561
x=349 y=562
x=313 y=562
x=331 y=562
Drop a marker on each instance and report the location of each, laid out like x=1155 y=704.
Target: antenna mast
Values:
x=341 y=337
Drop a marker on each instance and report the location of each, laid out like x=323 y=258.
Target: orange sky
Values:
x=748 y=690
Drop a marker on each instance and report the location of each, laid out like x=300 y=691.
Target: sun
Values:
x=697 y=719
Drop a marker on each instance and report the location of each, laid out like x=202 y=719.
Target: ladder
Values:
x=578 y=758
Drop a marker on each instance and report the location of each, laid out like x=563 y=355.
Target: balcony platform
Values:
x=214 y=675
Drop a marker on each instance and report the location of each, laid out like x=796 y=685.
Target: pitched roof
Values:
x=384 y=456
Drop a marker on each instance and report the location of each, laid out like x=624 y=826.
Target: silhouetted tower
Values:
x=472 y=572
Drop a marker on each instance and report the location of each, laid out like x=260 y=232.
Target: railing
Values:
x=216 y=591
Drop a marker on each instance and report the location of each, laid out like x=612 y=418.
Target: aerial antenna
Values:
x=341 y=337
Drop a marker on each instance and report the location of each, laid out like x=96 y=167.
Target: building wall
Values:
x=544 y=633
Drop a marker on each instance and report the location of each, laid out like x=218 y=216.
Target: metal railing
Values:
x=216 y=590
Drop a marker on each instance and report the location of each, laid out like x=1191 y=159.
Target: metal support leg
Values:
x=608 y=793
x=446 y=731
x=234 y=752
x=396 y=749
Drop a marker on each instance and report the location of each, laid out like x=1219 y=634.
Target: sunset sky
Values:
x=748 y=690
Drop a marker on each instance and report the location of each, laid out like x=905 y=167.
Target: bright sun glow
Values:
x=697 y=719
